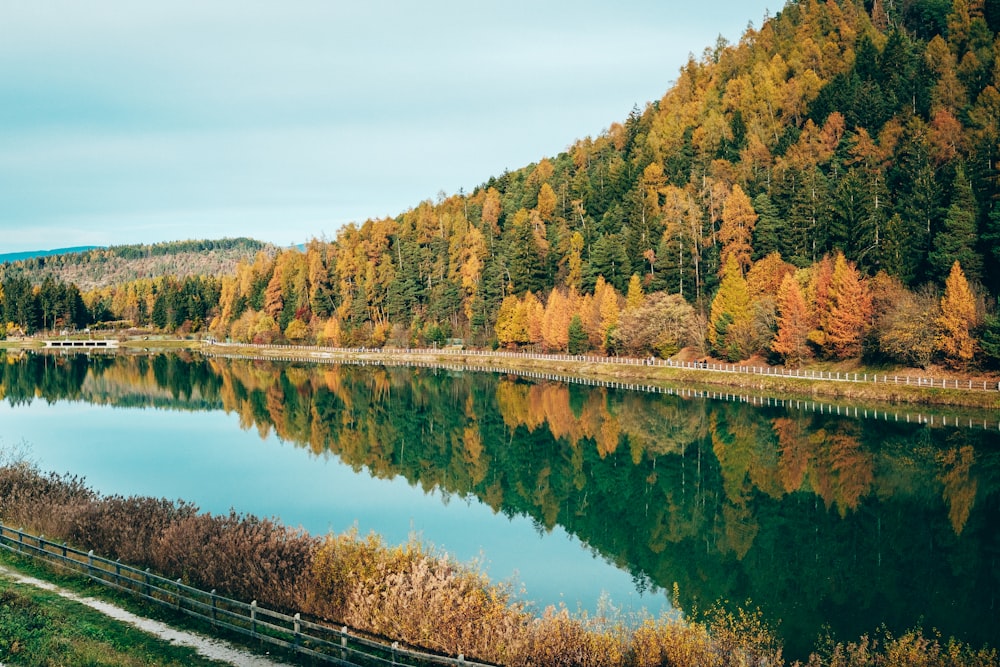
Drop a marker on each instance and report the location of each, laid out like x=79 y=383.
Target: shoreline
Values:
x=617 y=371
x=775 y=381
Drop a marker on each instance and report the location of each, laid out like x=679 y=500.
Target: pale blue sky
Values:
x=127 y=122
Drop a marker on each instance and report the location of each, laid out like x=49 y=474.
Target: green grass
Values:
x=73 y=634
x=39 y=627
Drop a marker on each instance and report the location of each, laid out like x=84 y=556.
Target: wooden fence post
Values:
x=253 y=617
x=214 y=607
x=343 y=643
x=178 y=594
x=298 y=628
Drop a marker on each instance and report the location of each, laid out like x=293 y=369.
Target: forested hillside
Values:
x=824 y=188
x=90 y=268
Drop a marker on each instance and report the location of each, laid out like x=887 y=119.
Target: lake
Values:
x=586 y=496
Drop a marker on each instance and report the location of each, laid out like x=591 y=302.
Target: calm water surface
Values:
x=578 y=492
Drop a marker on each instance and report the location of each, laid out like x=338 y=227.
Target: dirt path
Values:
x=214 y=649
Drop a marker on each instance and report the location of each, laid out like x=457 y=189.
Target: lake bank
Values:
x=860 y=384
x=883 y=387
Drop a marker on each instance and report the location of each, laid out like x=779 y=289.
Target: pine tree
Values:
x=957 y=320
x=578 y=341
x=767 y=234
x=957 y=239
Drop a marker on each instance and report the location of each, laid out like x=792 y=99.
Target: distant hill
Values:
x=96 y=267
x=30 y=254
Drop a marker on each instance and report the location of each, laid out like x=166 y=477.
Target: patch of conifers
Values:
x=409 y=592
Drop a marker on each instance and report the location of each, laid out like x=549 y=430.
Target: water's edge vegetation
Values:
x=410 y=592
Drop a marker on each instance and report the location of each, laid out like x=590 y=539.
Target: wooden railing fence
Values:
x=337 y=646
x=773 y=371
x=821 y=407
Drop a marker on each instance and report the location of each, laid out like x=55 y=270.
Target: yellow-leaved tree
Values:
x=958 y=318
x=736 y=231
x=729 y=326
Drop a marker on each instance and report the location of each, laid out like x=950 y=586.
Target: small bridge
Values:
x=82 y=344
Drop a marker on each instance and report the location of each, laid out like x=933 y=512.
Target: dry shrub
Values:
x=911 y=649
x=46 y=504
x=559 y=639
x=127 y=528
x=675 y=643
x=413 y=595
x=742 y=638
x=242 y=556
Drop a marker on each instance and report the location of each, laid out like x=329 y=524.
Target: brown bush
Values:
x=127 y=528
x=45 y=504
x=413 y=595
x=242 y=556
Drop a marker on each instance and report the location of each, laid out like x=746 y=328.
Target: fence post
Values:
x=343 y=643
x=178 y=594
x=253 y=617
x=145 y=580
x=298 y=629
x=214 y=607
x=90 y=561
x=395 y=647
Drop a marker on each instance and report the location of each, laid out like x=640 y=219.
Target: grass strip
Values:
x=39 y=627
x=66 y=625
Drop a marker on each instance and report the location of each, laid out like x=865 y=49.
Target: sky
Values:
x=138 y=122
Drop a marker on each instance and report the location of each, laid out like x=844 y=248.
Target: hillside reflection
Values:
x=818 y=519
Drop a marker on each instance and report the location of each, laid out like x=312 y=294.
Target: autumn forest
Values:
x=823 y=189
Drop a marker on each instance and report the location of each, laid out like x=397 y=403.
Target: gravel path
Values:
x=214 y=649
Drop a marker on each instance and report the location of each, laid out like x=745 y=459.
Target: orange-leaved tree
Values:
x=850 y=310
x=791 y=341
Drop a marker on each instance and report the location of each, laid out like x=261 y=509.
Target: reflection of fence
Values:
x=882 y=414
x=771 y=371
x=337 y=646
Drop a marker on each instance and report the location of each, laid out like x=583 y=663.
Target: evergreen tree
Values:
x=768 y=234
x=578 y=342
x=956 y=242
x=609 y=259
